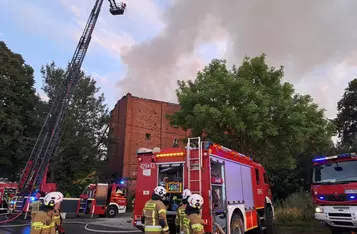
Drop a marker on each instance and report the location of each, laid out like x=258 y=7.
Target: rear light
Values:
x=205 y=221
x=140 y=159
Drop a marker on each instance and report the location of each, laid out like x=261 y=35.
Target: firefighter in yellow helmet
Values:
x=192 y=223
x=154 y=213
x=181 y=211
x=42 y=222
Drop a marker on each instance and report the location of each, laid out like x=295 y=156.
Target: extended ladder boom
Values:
x=49 y=136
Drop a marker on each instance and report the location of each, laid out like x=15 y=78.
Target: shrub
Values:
x=296 y=209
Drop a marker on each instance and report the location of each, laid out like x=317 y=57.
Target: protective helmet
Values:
x=186 y=193
x=160 y=191
x=195 y=201
x=52 y=198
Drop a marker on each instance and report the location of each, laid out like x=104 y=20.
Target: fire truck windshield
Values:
x=335 y=172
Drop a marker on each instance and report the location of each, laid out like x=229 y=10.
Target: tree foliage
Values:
x=250 y=109
x=21 y=113
x=82 y=151
x=346 y=120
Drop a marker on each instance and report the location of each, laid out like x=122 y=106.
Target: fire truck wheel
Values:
x=237 y=226
x=269 y=220
x=112 y=211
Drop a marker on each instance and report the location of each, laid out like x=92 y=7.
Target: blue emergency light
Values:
x=122 y=182
x=323 y=158
x=32 y=198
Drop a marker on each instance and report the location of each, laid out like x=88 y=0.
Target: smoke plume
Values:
x=301 y=35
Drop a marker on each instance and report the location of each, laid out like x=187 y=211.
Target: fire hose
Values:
x=86 y=227
x=16 y=216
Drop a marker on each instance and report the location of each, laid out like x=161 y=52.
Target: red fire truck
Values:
x=105 y=200
x=334 y=191
x=7 y=191
x=235 y=189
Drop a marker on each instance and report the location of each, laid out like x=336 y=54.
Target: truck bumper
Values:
x=338 y=216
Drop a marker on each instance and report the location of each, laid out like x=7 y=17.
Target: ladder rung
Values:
x=194 y=169
x=194 y=180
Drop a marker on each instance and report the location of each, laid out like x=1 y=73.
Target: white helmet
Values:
x=195 y=201
x=160 y=191
x=52 y=198
x=186 y=193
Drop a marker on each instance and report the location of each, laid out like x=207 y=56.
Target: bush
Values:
x=296 y=210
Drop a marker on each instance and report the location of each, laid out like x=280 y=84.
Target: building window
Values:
x=175 y=143
x=148 y=136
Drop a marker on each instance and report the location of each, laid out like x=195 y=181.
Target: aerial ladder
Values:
x=49 y=136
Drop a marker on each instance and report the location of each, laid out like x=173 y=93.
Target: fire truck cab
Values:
x=334 y=191
x=104 y=200
x=235 y=189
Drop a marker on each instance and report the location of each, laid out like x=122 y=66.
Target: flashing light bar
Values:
x=324 y=158
x=170 y=155
x=351 y=197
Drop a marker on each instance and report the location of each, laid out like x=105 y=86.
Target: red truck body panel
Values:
x=240 y=171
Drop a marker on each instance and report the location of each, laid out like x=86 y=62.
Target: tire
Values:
x=237 y=226
x=111 y=212
x=268 y=220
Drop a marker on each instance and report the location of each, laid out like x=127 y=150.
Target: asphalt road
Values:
x=69 y=228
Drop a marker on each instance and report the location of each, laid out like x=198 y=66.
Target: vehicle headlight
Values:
x=319 y=209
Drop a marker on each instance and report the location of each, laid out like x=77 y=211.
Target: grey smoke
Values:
x=300 y=34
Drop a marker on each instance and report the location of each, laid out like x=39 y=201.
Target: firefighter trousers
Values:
x=153 y=230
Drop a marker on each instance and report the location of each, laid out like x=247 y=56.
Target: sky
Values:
x=156 y=42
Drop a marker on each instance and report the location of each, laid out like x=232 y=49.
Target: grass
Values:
x=297 y=212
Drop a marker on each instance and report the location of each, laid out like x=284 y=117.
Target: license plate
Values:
x=349 y=191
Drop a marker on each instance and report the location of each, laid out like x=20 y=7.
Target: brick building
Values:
x=138 y=122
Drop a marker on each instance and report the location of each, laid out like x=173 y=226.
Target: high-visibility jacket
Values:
x=193 y=224
x=42 y=224
x=154 y=211
x=179 y=216
x=56 y=218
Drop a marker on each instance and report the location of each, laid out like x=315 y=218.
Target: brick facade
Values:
x=135 y=123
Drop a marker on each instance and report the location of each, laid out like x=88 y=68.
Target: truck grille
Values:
x=339 y=197
x=341 y=219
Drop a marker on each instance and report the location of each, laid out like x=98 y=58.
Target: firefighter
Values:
x=43 y=221
x=57 y=219
x=35 y=206
x=192 y=223
x=154 y=213
x=181 y=210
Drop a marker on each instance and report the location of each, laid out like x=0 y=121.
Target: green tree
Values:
x=81 y=152
x=346 y=120
x=250 y=109
x=21 y=113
